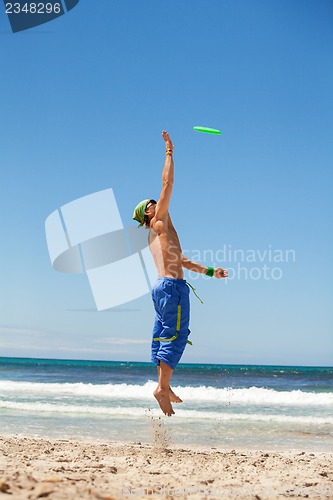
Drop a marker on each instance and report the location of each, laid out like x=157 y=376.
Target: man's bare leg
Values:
x=161 y=392
x=173 y=397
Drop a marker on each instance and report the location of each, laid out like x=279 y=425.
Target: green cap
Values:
x=139 y=212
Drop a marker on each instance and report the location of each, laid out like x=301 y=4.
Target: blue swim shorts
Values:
x=171 y=327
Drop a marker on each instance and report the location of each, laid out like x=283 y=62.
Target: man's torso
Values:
x=166 y=250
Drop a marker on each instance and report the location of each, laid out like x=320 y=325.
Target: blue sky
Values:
x=84 y=100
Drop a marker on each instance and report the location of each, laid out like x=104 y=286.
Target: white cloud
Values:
x=90 y=350
x=124 y=341
x=14 y=330
x=49 y=351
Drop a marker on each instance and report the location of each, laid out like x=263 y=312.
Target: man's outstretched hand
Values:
x=168 y=141
x=220 y=273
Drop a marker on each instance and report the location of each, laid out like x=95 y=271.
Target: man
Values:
x=171 y=292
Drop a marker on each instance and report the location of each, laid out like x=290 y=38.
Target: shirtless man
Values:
x=171 y=292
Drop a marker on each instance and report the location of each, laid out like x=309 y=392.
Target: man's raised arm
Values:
x=162 y=206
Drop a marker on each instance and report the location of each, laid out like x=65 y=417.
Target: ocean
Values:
x=241 y=406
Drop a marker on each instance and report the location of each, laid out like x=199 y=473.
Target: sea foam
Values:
x=75 y=410
x=248 y=396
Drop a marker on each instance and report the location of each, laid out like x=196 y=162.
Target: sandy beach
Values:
x=32 y=468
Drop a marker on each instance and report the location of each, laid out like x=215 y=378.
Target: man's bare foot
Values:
x=168 y=141
x=163 y=398
x=173 y=397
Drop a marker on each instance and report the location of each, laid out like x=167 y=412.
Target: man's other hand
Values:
x=220 y=273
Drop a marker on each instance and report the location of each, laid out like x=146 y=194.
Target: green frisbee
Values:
x=207 y=130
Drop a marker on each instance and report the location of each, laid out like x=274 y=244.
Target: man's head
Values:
x=144 y=212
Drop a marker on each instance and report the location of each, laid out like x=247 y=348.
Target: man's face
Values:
x=150 y=208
